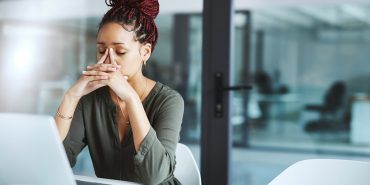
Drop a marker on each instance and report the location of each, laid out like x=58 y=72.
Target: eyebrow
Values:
x=114 y=43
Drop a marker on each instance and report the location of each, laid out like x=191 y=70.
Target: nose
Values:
x=108 y=59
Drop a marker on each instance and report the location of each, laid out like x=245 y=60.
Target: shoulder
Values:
x=163 y=98
x=167 y=104
x=167 y=94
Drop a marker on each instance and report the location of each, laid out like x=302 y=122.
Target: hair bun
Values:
x=147 y=7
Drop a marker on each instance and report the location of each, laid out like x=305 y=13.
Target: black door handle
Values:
x=237 y=88
x=219 y=89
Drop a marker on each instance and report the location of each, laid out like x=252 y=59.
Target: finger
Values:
x=94 y=73
x=104 y=57
x=88 y=79
x=103 y=67
x=97 y=78
x=99 y=83
x=96 y=85
x=93 y=66
x=111 y=56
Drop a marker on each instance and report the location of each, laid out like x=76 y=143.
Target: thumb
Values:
x=111 y=56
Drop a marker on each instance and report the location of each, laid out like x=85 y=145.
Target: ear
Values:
x=146 y=51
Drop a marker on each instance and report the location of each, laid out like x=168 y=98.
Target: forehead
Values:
x=113 y=32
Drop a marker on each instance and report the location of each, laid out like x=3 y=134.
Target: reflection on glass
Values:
x=308 y=67
x=315 y=56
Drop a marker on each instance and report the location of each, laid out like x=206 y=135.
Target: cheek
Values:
x=127 y=60
x=124 y=62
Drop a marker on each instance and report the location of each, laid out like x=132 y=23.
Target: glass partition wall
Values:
x=310 y=96
x=308 y=66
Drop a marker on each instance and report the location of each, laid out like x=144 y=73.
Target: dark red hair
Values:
x=135 y=15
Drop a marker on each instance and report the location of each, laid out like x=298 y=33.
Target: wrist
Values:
x=66 y=109
x=70 y=97
x=133 y=98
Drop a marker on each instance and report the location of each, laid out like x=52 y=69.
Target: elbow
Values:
x=158 y=176
x=155 y=179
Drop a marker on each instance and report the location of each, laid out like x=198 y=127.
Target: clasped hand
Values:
x=109 y=75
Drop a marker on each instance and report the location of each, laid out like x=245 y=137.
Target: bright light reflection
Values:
x=22 y=61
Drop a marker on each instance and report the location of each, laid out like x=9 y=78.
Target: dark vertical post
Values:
x=181 y=38
x=247 y=32
x=181 y=61
x=259 y=50
x=217 y=59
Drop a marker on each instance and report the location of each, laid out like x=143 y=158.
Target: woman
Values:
x=130 y=123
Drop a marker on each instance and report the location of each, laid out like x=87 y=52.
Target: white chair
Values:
x=325 y=172
x=186 y=171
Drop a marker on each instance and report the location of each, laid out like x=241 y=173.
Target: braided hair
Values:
x=134 y=15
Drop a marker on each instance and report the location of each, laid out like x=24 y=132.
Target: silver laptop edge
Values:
x=31 y=151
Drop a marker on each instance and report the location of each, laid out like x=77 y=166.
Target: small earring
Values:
x=144 y=62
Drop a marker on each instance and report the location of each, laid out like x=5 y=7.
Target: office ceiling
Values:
x=301 y=13
x=349 y=16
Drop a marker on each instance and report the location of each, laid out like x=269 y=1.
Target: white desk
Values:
x=360 y=123
x=102 y=181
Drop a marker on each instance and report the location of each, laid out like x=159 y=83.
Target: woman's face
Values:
x=128 y=52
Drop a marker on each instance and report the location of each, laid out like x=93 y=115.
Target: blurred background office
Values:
x=308 y=62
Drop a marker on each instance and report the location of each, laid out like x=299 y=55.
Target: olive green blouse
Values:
x=94 y=125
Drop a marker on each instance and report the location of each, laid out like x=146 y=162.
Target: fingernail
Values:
x=83 y=72
x=88 y=67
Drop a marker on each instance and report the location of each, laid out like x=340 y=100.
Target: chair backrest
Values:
x=335 y=96
x=186 y=171
x=325 y=172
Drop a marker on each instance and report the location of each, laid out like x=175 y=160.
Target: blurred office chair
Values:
x=186 y=171
x=325 y=172
x=332 y=111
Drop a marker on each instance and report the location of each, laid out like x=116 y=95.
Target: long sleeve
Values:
x=155 y=160
x=75 y=140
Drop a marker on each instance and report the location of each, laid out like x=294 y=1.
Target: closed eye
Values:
x=121 y=53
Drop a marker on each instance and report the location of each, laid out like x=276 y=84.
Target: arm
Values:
x=85 y=85
x=139 y=121
x=66 y=108
x=75 y=140
x=155 y=159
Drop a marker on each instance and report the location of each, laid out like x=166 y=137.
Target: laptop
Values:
x=31 y=153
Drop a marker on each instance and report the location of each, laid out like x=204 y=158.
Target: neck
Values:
x=138 y=82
